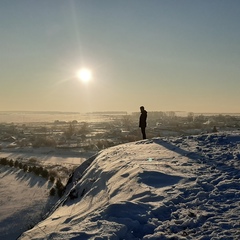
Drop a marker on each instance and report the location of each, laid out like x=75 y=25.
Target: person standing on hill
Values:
x=143 y=121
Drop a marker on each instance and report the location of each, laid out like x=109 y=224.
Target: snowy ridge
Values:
x=175 y=188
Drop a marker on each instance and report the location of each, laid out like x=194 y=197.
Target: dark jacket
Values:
x=143 y=119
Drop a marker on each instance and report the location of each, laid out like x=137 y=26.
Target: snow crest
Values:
x=162 y=188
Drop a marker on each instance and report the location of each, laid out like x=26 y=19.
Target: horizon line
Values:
x=107 y=111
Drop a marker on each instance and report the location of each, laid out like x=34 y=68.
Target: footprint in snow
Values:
x=158 y=179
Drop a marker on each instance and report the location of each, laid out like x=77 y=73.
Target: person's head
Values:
x=142 y=108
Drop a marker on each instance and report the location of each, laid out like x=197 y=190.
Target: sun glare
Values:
x=84 y=75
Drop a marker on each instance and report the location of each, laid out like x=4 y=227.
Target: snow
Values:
x=47 y=156
x=162 y=188
x=20 y=195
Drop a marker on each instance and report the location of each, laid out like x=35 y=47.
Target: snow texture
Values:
x=162 y=188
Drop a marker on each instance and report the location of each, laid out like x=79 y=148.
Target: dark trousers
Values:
x=143 y=132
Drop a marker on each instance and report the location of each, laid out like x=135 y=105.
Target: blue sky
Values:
x=168 y=55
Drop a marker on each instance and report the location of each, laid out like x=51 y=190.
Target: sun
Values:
x=84 y=75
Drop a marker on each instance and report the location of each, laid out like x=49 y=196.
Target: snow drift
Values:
x=162 y=188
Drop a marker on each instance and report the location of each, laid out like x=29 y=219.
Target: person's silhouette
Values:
x=143 y=121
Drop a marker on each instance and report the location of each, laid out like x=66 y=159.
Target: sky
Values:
x=168 y=55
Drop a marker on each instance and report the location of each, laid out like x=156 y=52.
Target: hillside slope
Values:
x=24 y=199
x=182 y=187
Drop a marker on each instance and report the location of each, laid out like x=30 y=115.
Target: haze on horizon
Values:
x=176 y=55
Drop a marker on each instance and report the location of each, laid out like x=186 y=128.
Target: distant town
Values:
x=110 y=128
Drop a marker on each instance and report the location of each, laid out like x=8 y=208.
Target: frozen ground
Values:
x=46 y=156
x=24 y=198
x=162 y=188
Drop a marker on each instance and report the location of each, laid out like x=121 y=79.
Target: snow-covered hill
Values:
x=175 y=188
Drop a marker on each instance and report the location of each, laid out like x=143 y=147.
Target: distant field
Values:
x=26 y=117
x=34 y=117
